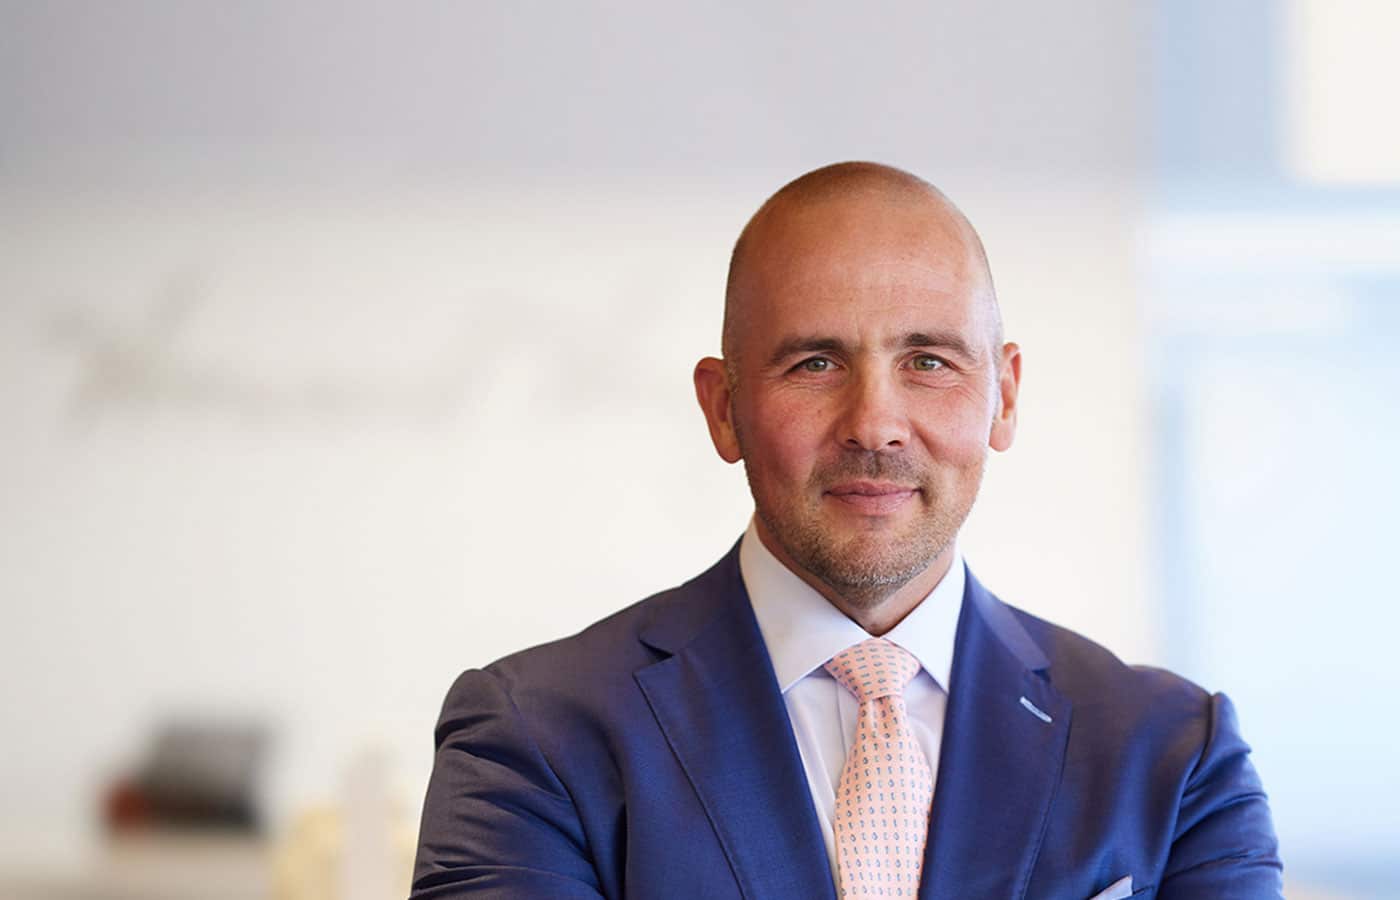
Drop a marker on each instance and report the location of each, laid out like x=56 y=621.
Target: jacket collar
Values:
x=1003 y=751
x=716 y=699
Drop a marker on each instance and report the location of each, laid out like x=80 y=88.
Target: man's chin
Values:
x=866 y=576
x=864 y=560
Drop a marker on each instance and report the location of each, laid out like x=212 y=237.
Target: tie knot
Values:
x=873 y=668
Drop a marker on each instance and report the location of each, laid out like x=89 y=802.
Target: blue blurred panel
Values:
x=1280 y=453
x=1217 y=101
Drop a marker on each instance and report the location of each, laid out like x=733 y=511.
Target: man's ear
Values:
x=712 y=390
x=1008 y=387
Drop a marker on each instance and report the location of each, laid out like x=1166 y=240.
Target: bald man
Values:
x=837 y=708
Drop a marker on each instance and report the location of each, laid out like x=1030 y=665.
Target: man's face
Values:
x=866 y=392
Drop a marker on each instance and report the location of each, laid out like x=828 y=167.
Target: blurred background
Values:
x=346 y=346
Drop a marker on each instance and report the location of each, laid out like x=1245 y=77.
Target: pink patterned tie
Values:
x=886 y=789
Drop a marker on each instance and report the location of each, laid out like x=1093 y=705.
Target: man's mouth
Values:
x=872 y=497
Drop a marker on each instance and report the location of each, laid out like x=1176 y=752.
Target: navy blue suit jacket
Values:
x=651 y=756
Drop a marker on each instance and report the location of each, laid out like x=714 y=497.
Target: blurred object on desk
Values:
x=359 y=848
x=198 y=774
x=362 y=850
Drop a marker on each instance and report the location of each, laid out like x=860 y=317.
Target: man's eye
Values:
x=815 y=364
x=928 y=363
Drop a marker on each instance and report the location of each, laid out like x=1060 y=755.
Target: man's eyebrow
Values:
x=938 y=340
x=805 y=344
x=946 y=340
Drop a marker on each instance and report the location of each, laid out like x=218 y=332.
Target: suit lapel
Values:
x=1000 y=761
x=717 y=701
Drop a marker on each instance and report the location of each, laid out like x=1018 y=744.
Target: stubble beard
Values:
x=868 y=567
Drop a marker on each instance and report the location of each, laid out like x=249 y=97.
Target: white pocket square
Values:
x=1121 y=888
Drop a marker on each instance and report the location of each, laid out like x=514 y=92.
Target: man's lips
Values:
x=871 y=497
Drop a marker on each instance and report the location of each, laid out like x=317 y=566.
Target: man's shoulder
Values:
x=593 y=663
x=1146 y=743
x=611 y=643
x=1113 y=695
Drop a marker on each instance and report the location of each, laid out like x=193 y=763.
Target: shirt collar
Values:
x=802 y=630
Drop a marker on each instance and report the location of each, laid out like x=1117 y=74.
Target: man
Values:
x=837 y=707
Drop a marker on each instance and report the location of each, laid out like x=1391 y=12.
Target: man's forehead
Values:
x=891 y=288
x=851 y=274
x=850 y=247
x=874 y=325
x=880 y=306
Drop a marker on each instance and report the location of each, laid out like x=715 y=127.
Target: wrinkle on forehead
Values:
x=891 y=275
x=845 y=290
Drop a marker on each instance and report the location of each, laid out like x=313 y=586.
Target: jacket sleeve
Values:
x=1224 y=845
x=497 y=822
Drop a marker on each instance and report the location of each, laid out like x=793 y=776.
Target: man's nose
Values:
x=874 y=417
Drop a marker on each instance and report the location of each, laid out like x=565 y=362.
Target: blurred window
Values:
x=1272 y=260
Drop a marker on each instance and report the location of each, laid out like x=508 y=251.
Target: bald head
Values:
x=853 y=194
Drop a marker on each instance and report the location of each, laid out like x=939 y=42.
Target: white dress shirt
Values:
x=802 y=631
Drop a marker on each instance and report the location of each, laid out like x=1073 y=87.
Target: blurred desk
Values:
x=155 y=866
